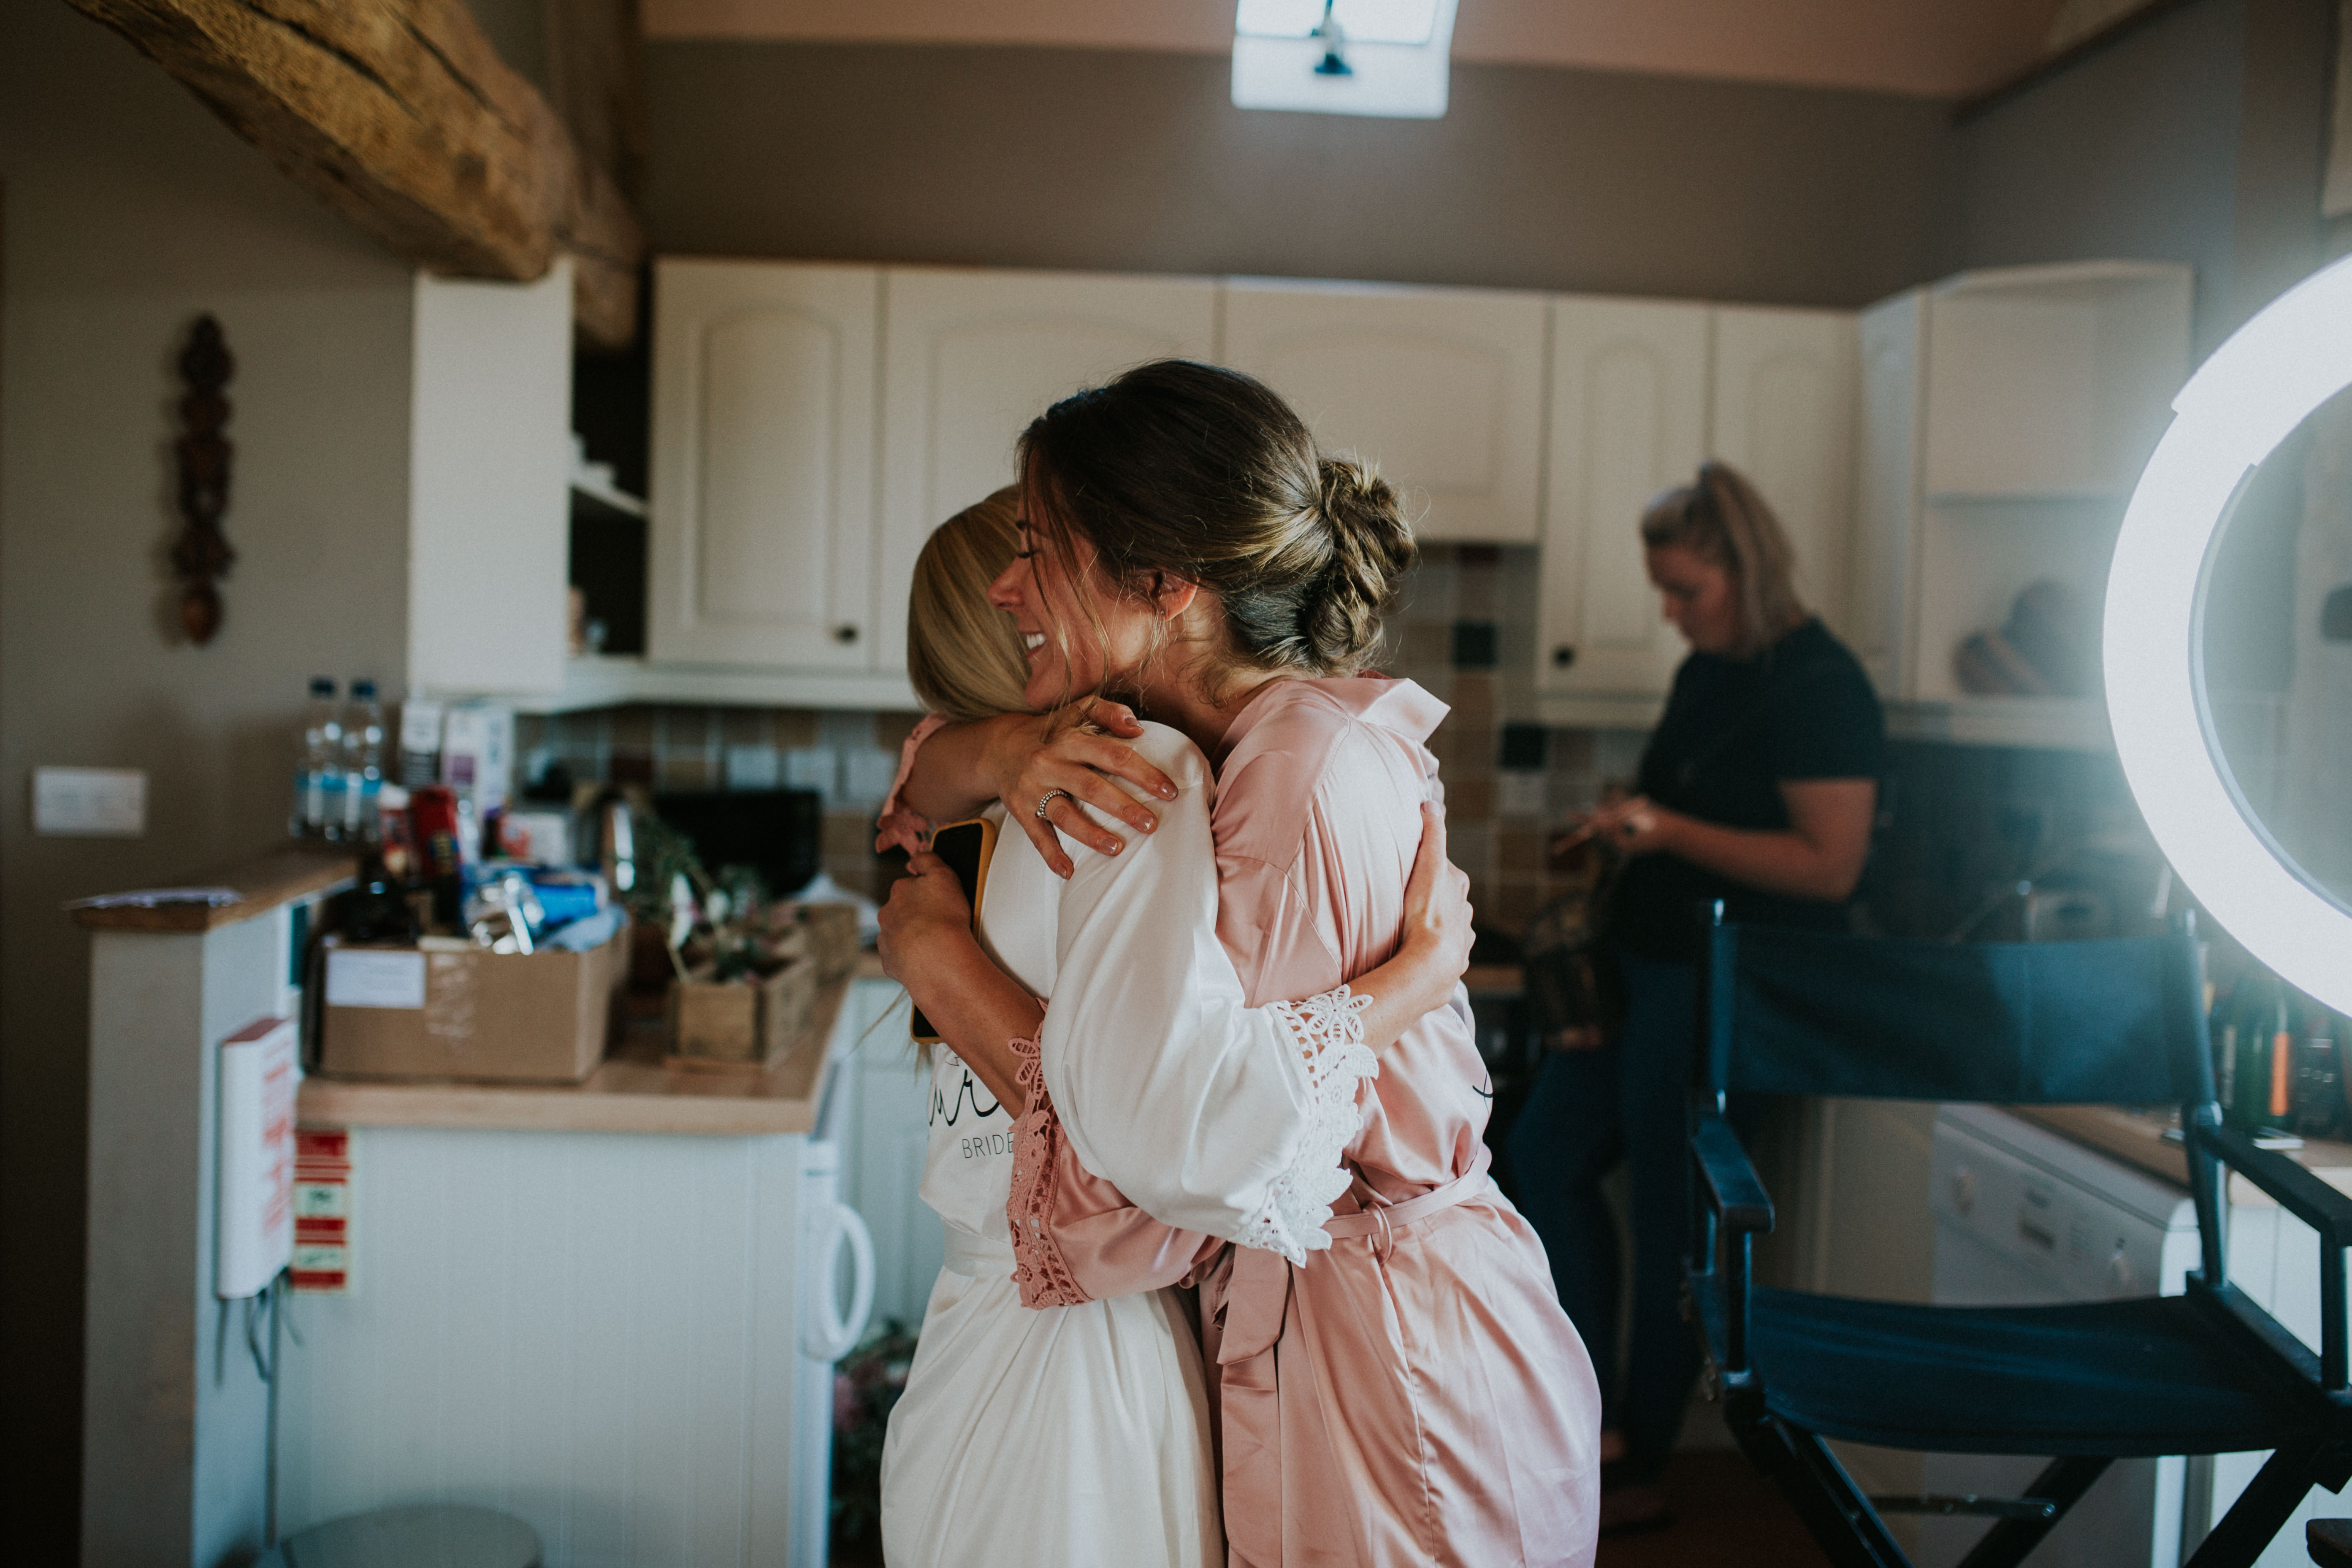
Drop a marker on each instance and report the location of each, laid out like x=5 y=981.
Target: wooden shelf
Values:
x=611 y=680
x=605 y=495
x=2040 y=723
x=1964 y=500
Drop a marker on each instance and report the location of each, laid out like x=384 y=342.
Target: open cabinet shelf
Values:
x=2007 y=415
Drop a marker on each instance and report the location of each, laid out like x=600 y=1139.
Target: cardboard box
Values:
x=735 y=1024
x=833 y=938
x=451 y=1012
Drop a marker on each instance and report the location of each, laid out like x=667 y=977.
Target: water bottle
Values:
x=319 y=766
x=361 y=762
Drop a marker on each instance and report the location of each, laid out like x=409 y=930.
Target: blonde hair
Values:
x=1721 y=518
x=1201 y=473
x=963 y=655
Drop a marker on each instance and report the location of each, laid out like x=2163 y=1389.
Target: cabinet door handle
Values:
x=845 y=634
x=1562 y=657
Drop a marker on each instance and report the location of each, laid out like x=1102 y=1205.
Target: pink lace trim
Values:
x=1045 y=1280
x=899 y=825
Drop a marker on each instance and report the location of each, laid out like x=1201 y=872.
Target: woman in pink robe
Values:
x=1395 y=1381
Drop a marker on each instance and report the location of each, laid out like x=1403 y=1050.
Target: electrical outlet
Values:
x=90 y=803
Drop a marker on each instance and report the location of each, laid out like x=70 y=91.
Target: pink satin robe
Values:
x=1415 y=1394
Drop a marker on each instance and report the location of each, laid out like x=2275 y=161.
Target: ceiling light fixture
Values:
x=1386 y=58
x=2271 y=375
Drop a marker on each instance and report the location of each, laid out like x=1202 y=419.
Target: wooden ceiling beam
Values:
x=400 y=115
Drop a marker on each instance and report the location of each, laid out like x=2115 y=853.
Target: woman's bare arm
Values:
x=1018 y=758
x=1818 y=855
x=976 y=1008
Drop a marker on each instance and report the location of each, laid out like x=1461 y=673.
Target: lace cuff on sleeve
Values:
x=1327 y=1032
x=899 y=825
x=1039 y=1271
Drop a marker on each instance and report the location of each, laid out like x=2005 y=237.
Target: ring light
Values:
x=2273 y=373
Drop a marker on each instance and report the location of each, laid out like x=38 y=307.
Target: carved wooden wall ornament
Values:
x=202 y=553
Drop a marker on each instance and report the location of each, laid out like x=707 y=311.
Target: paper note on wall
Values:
x=254 y=1217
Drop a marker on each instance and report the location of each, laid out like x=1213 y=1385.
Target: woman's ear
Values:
x=1173 y=595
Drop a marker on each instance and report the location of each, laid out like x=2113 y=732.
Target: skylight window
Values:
x=1407 y=22
x=1386 y=58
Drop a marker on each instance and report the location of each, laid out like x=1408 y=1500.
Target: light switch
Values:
x=90 y=803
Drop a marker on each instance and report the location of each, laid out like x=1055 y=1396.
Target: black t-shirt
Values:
x=1733 y=730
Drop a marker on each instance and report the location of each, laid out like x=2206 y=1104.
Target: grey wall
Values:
x=2197 y=138
x=129 y=210
x=1535 y=178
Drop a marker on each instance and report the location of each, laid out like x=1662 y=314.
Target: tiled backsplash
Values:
x=1957 y=823
x=848 y=757
x=1467 y=631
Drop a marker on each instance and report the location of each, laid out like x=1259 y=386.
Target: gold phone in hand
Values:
x=966 y=847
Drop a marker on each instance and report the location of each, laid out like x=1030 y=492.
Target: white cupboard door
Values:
x=490 y=448
x=970 y=358
x=1783 y=414
x=1442 y=388
x=1879 y=609
x=1629 y=400
x=763 y=506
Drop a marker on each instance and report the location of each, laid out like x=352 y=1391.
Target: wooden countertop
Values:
x=2136 y=1138
x=261 y=881
x=637 y=1089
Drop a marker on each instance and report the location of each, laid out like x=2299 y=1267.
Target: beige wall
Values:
x=2195 y=138
x=1537 y=178
x=1934 y=51
x=128 y=210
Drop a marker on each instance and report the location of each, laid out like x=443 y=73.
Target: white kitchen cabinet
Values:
x=1629 y=412
x=761 y=516
x=885 y=1120
x=489 y=497
x=970 y=357
x=1781 y=411
x=1878 y=602
x=1442 y=388
x=2006 y=417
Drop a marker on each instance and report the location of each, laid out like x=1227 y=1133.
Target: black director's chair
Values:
x=1794 y=1012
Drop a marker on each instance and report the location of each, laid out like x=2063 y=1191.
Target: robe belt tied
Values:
x=1257 y=1304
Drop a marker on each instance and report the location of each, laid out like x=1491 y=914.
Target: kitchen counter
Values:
x=637 y=1089
x=2136 y=1138
x=262 y=882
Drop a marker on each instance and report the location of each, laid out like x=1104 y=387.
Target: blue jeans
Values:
x=1589 y=1109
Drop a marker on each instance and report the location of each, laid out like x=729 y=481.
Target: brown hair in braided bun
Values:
x=1371 y=548
x=1194 y=471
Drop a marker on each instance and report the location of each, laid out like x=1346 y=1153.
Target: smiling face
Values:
x=1699 y=598
x=1078 y=633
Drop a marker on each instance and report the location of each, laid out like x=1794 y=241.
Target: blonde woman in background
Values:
x=1078 y=1435
x=1756 y=787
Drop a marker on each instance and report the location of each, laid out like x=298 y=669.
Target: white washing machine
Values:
x=2025 y=1218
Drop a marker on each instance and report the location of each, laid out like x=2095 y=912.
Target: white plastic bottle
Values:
x=319 y=766
x=363 y=762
